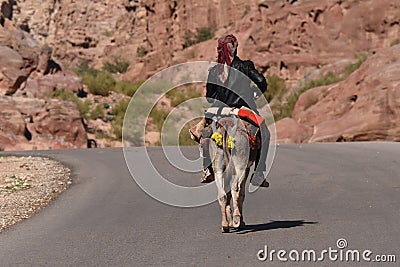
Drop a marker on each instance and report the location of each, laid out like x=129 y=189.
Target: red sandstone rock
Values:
x=61 y=121
x=288 y=131
x=287 y=38
x=365 y=106
x=11 y=70
x=39 y=86
x=28 y=123
x=12 y=125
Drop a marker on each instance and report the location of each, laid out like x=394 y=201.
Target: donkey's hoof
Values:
x=236 y=221
x=225 y=229
x=242 y=225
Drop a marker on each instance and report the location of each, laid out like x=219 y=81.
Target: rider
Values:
x=240 y=94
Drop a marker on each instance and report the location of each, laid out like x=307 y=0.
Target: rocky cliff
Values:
x=363 y=107
x=27 y=119
x=283 y=37
x=296 y=40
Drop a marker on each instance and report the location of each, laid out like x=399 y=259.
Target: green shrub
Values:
x=108 y=33
x=326 y=79
x=98 y=82
x=119 y=113
x=204 y=34
x=120 y=108
x=101 y=83
x=156 y=86
x=63 y=95
x=276 y=88
x=102 y=135
x=84 y=68
x=352 y=67
x=119 y=66
x=97 y=112
x=141 y=51
x=201 y=35
x=127 y=88
x=178 y=96
x=184 y=136
x=158 y=117
x=286 y=109
x=189 y=39
x=83 y=106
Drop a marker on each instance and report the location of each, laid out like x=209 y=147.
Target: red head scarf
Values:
x=226 y=50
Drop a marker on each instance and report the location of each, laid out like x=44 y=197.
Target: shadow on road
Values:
x=251 y=228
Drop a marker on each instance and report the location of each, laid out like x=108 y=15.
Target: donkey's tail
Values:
x=227 y=152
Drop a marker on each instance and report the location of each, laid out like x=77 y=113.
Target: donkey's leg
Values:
x=224 y=220
x=223 y=200
x=238 y=183
x=242 y=194
x=219 y=166
x=228 y=208
x=236 y=212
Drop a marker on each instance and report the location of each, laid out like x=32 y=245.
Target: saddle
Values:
x=243 y=113
x=243 y=121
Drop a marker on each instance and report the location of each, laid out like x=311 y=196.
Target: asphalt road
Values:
x=319 y=193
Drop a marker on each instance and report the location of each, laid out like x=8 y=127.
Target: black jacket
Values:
x=240 y=93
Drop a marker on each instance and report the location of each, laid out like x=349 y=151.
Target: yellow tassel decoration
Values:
x=217 y=137
x=231 y=142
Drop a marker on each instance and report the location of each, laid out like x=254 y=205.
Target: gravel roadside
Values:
x=28 y=184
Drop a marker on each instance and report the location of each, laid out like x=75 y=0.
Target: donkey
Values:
x=233 y=149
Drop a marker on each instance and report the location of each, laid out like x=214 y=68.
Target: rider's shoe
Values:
x=195 y=135
x=195 y=131
x=208 y=176
x=258 y=179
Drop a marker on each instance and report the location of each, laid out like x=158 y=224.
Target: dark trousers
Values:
x=206 y=153
x=261 y=159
